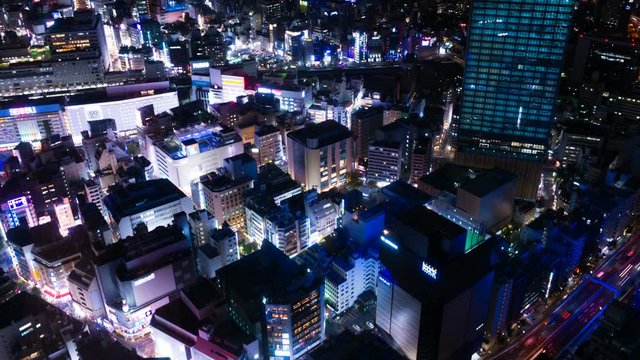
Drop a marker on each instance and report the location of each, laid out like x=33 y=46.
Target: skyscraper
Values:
x=514 y=59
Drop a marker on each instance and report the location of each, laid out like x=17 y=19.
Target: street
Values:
x=577 y=313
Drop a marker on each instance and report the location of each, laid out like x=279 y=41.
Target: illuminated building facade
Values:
x=432 y=297
x=30 y=124
x=80 y=112
x=292 y=97
x=53 y=263
x=78 y=37
x=359 y=46
x=223 y=196
x=350 y=277
x=140 y=274
x=18 y=211
x=514 y=59
x=282 y=302
x=320 y=155
x=268 y=145
x=384 y=162
x=193 y=152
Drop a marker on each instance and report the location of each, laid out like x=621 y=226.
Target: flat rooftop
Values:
x=139 y=197
x=273 y=275
x=321 y=134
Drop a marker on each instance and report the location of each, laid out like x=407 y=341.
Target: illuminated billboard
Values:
x=29 y=110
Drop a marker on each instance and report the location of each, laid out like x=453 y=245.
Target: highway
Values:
x=576 y=314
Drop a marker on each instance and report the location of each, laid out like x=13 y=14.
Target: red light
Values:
x=630 y=253
x=566 y=315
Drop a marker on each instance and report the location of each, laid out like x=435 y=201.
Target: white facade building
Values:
x=348 y=278
x=192 y=153
x=123 y=111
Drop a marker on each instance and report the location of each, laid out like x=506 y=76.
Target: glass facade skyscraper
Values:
x=514 y=60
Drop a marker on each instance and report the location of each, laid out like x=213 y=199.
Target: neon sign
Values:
x=391 y=244
x=429 y=270
x=17 y=203
x=200 y=65
x=23 y=111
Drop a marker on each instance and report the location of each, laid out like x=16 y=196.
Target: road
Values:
x=575 y=315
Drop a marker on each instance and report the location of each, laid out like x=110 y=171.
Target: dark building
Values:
x=281 y=302
x=433 y=297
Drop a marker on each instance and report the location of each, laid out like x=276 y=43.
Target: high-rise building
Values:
x=79 y=37
x=349 y=277
x=364 y=123
x=281 y=301
x=514 y=59
x=433 y=295
x=384 y=162
x=202 y=224
x=320 y=155
x=268 y=143
x=223 y=196
x=420 y=159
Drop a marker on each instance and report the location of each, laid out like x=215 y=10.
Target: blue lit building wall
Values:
x=514 y=60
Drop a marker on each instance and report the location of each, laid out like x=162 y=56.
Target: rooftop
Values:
x=487 y=181
x=318 y=135
x=139 y=197
x=273 y=275
x=448 y=177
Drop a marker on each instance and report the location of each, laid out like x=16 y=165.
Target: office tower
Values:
x=79 y=37
x=152 y=203
x=289 y=231
x=268 y=145
x=320 y=155
x=420 y=159
x=514 y=59
x=223 y=196
x=349 y=277
x=281 y=301
x=209 y=46
x=364 y=123
x=141 y=273
x=384 y=162
x=433 y=296
x=202 y=224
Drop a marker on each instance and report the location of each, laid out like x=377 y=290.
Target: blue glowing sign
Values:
x=431 y=271
x=29 y=110
x=17 y=203
x=389 y=242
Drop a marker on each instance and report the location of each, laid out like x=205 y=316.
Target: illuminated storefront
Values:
x=29 y=124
